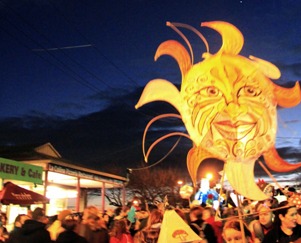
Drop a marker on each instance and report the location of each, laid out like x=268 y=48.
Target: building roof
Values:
x=45 y=154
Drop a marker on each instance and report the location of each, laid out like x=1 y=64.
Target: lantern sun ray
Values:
x=147 y=127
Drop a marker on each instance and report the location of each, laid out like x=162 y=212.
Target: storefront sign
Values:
x=76 y=173
x=14 y=170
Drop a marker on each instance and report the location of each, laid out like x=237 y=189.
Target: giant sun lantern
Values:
x=228 y=105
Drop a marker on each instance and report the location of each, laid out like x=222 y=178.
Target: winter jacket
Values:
x=70 y=236
x=32 y=232
x=206 y=229
x=217 y=227
x=14 y=235
x=277 y=235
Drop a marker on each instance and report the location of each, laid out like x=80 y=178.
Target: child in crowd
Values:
x=120 y=233
x=236 y=231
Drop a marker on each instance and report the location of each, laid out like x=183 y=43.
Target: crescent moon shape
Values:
x=241 y=178
x=195 y=157
x=276 y=163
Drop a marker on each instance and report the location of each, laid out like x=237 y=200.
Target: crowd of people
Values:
x=266 y=221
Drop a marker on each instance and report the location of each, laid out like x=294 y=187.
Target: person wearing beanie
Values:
x=56 y=227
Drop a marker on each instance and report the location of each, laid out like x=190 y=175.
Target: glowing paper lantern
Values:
x=186 y=191
x=227 y=103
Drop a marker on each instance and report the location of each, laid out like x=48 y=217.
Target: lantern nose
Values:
x=234 y=110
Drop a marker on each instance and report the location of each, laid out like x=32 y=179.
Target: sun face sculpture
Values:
x=228 y=105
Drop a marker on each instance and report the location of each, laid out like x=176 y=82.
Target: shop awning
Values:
x=13 y=194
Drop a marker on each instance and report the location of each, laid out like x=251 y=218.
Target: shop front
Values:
x=67 y=186
x=13 y=198
x=42 y=170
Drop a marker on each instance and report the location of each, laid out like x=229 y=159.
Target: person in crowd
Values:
x=199 y=226
x=268 y=189
x=285 y=228
x=209 y=216
x=120 y=233
x=69 y=223
x=108 y=218
x=236 y=231
x=261 y=226
x=248 y=209
x=102 y=224
x=56 y=227
x=34 y=229
x=152 y=230
x=3 y=230
x=141 y=218
x=131 y=215
x=18 y=223
x=89 y=210
x=92 y=226
x=228 y=212
x=298 y=222
x=120 y=213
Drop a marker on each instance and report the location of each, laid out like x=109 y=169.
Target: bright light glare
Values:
x=209 y=176
x=180 y=182
x=56 y=192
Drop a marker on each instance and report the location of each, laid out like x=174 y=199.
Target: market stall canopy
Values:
x=13 y=194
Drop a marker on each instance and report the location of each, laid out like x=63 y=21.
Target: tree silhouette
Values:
x=154 y=184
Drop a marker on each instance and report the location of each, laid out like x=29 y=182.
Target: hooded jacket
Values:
x=33 y=232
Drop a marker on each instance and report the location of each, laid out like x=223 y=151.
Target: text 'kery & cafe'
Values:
x=14 y=170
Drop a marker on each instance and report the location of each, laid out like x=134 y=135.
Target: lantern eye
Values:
x=210 y=91
x=249 y=91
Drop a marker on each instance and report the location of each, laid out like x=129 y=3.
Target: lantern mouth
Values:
x=234 y=130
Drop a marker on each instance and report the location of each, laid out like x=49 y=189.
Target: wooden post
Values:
x=103 y=192
x=45 y=187
x=77 y=205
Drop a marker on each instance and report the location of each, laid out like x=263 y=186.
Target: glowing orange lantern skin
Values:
x=228 y=105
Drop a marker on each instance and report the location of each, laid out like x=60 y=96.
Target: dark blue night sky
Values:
x=72 y=71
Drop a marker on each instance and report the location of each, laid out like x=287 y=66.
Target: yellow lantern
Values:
x=227 y=103
x=186 y=191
